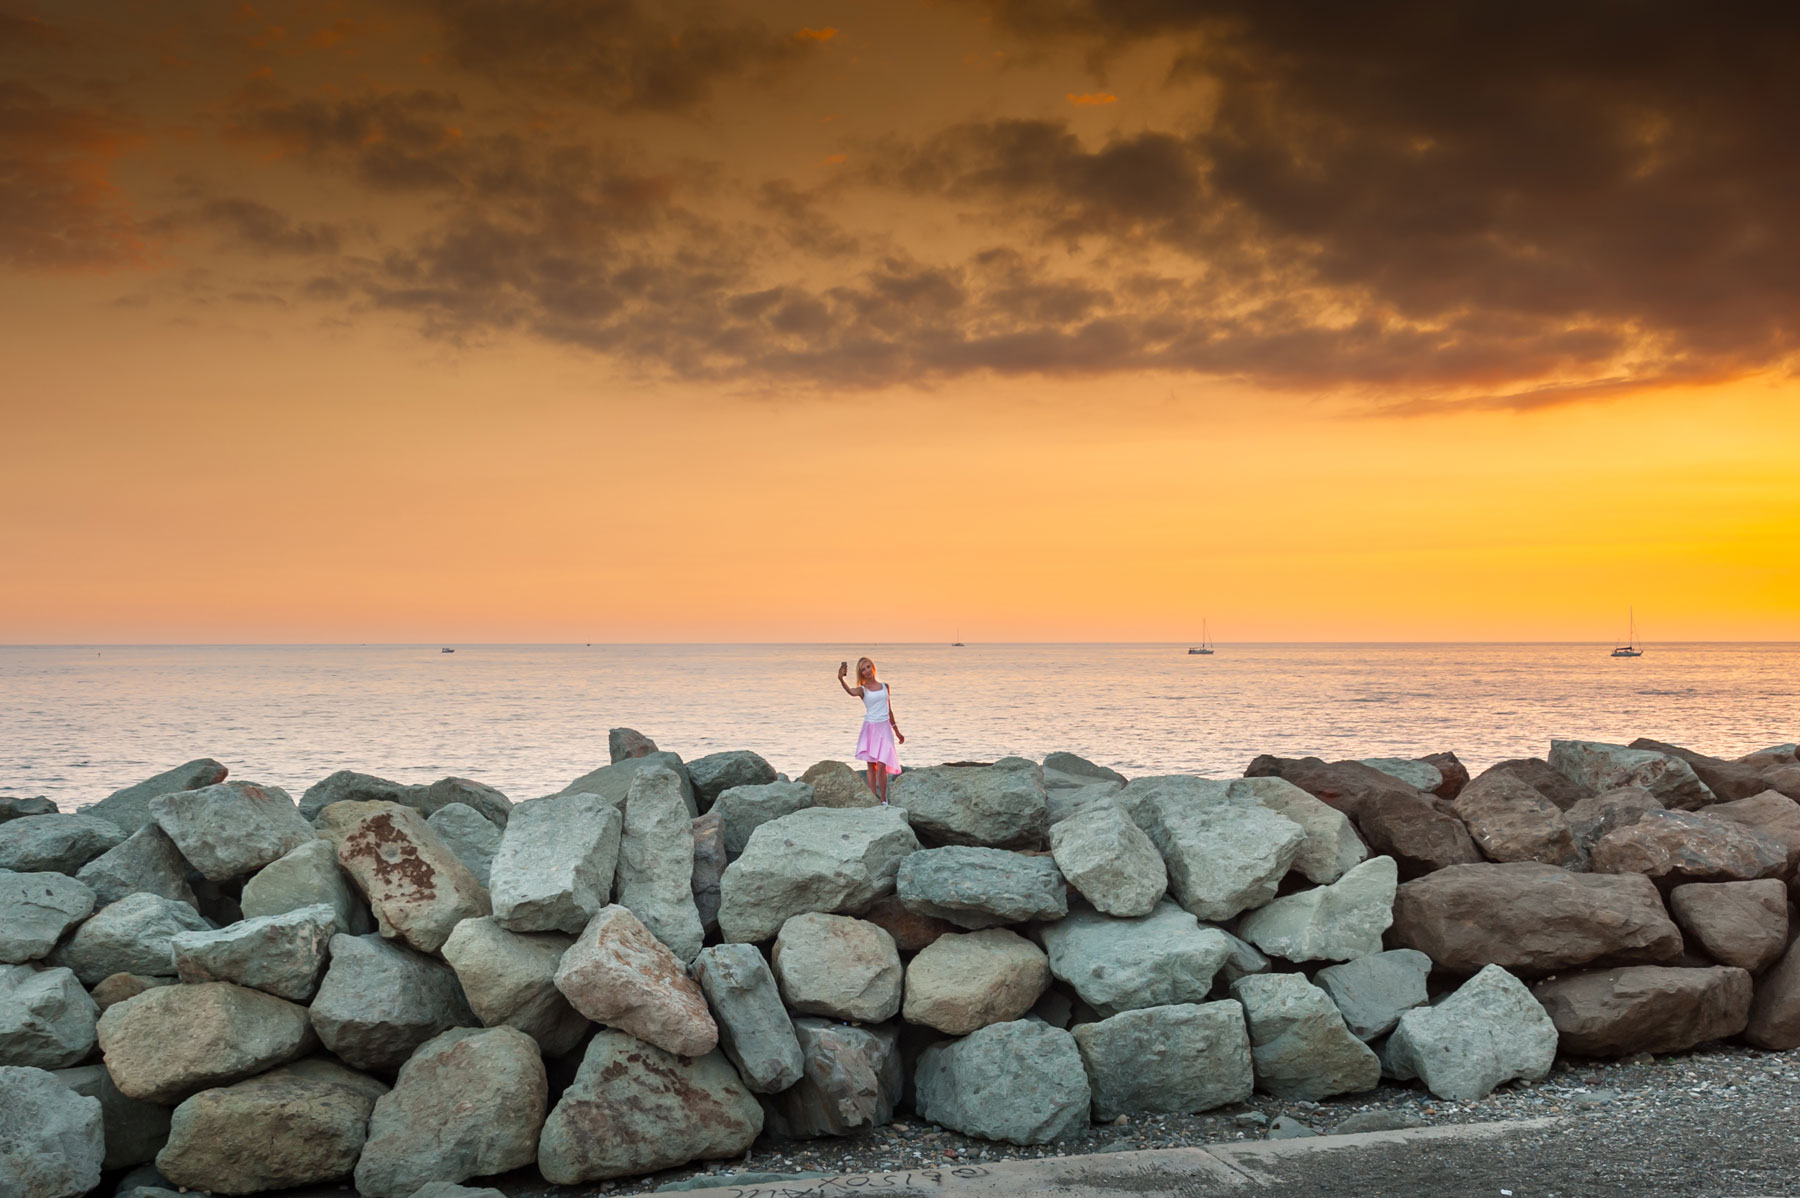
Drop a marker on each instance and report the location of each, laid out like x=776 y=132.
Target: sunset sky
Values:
x=552 y=320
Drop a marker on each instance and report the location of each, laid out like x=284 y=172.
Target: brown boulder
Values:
x=1775 y=1012
x=1773 y=757
x=618 y=974
x=1771 y=813
x=1511 y=821
x=1738 y=923
x=1784 y=780
x=1532 y=919
x=1346 y=785
x=910 y=930
x=1456 y=774
x=1419 y=837
x=1727 y=779
x=1683 y=846
x=1595 y=816
x=1542 y=777
x=1645 y=1008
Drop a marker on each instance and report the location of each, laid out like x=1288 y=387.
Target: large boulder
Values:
x=1019 y=1083
x=1785 y=780
x=348 y=786
x=835 y=784
x=1533 y=919
x=146 y=862
x=1422 y=776
x=744 y=809
x=46 y=1018
x=851 y=1079
x=471 y=836
x=36 y=909
x=1110 y=860
x=1737 y=923
x=1224 y=854
x=838 y=966
x=129 y=807
x=1682 y=846
x=135 y=1130
x=628 y=742
x=1126 y=964
x=1372 y=992
x=1454 y=773
x=1512 y=822
x=16 y=808
x=283 y=955
x=655 y=876
x=911 y=930
x=509 y=979
x=981 y=888
x=1595 y=816
x=417 y=887
x=556 y=863
x=755 y=1031
x=380 y=1001
x=634 y=1108
x=964 y=982
x=59 y=844
x=998 y=806
x=1299 y=1043
x=1346 y=785
x=618 y=974
x=710 y=860
x=717 y=773
x=1599 y=767
x=302 y=1124
x=1775 y=1010
x=232 y=829
x=1727 y=780
x=1548 y=781
x=820 y=859
x=1065 y=802
x=479 y=797
x=51 y=1138
x=1415 y=833
x=1177 y=1059
x=1082 y=768
x=169 y=1042
x=304 y=877
x=1645 y=1008
x=1490 y=1031
x=1773 y=814
x=613 y=782
x=1328 y=923
x=469 y=1103
x=1332 y=846
x=134 y=935
x=115 y=988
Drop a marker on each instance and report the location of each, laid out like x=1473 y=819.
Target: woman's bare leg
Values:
x=869 y=777
x=881 y=778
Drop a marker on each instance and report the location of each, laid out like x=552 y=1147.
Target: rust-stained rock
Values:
x=911 y=931
x=418 y=888
x=618 y=974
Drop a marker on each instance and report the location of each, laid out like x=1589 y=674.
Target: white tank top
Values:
x=875 y=705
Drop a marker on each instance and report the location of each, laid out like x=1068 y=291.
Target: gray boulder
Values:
x=59 y=844
x=959 y=983
x=1064 y=802
x=1020 y=1083
x=820 y=859
x=838 y=966
x=305 y=877
x=1080 y=767
x=471 y=836
x=1001 y=806
x=1490 y=1031
x=709 y=868
x=14 y=808
x=232 y=829
x=46 y=1018
x=380 y=1001
x=1242 y=960
x=36 y=909
x=837 y=785
x=613 y=781
x=981 y=888
x=743 y=809
x=135 y=1131
x=129 y=807
x=634 y=1108
x=146 y=862
x=1126 y=964
x=618 y=974
x=172 y=1041
x=628 y=742
x=852 y=1079
x=1328 y=923
x=556 y=863
x=1300 y=1045
x=754 y=1029
x=1593 y=817
x=417 y=888
x=1372 y=992
x=469 y=1103
x=655 y=876
x=717 y=773
x=348 y=786
x=1420 y=775
x=1331 y=848
x=1177 y=1059
x=51 y=1138
x=283 y=955
x=1224 y=854
x=479 y=797
x=1107 y=857
x=1601 y=767
x=1510 y=821
x=509 y=979
x=134 y=935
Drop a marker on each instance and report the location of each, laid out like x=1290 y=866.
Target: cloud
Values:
x=59 y=208
x=1092 y=99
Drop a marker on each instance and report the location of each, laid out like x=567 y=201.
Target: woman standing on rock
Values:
x=879 y=731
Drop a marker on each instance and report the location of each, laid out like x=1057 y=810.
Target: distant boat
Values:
x=446 y=650
x=1206 y=645
x=1630 y=648
x=957 y=643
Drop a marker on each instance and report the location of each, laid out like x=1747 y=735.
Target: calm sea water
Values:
x=79 y=722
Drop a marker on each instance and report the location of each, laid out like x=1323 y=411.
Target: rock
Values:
x=1454 y=773
x=13 y=808
x=1328 y=923
x=911 y=931
x=634 y=1108
x=303 y=1124
x=835 y=784
x=1242 y=959
x=1738 y=923
x=1420 y=775
x=709 y=868
x=1645 y=1008
x=134 y=935
x=628 y=742
x=1772 y=757
x=1510 y=821
x=851 y=1079
x=981 y=888
x=656 y=862
x=470 y=835
x=146 y=862
x=1595 y=816
x=1331 y=847
x=1419 y=837
x=557 y=862
x=380 y=1001
x=348 y=786
x=838 y=966
x=1069 y=763
x=484 y=800
x=1345 y=785
x=1116 y=965
x=169 y=1042
x=743 y=809
x=1727 y=780
x=1110 y=861
x=1372 y=992
x=1533 y=919
x=754 y=1029
x=618 y=974
x=1224 y=855
x=1019 y=1083
x=1552 y=783
x=613 y=782
x=1771 y=813
x=134 y=1131
x=129 y=808
x=1299 y=1043
x=415 y=885
x=1176 y=1059
x=1775 y=1011
x=304 y=877
x=964 y=982
x=717 y=773
x=820 y=859
x=51 y=1139
x=115 y=988
x=35 y=910
x=1286 y=1127
x=1680 y=846
x=1785 y=780
x=232 y=829
x=1063 y=802
x=59 y=844
x=1599 y=766
x=283 y=955
x=997 y=806
x=46 y=1018
x=469 y=1103
x=509 y=979
x=1490 y=1031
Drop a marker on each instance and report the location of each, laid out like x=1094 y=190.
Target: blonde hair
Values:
x=859 y=669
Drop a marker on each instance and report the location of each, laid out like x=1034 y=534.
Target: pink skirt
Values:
x=877 y=744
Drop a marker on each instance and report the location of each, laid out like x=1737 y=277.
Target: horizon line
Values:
x=797 y=644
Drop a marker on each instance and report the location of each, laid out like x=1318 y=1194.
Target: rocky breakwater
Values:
x=404 y=987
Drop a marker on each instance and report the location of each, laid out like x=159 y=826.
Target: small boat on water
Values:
x=446 y=650
x=1630 y=648
x=957 y=643
x=1205 y=648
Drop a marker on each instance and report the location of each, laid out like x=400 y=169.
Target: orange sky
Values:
x=685 y=324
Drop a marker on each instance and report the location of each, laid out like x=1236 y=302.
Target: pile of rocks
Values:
x=411 y=986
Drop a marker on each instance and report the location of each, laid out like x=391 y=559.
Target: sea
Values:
x=77 y=722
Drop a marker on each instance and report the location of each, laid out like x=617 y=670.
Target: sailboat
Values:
x=1206 y=645
x=1630 y=648
x=957 y=643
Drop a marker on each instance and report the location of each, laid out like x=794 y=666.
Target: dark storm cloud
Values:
x=262 y=229
x=58 y=209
